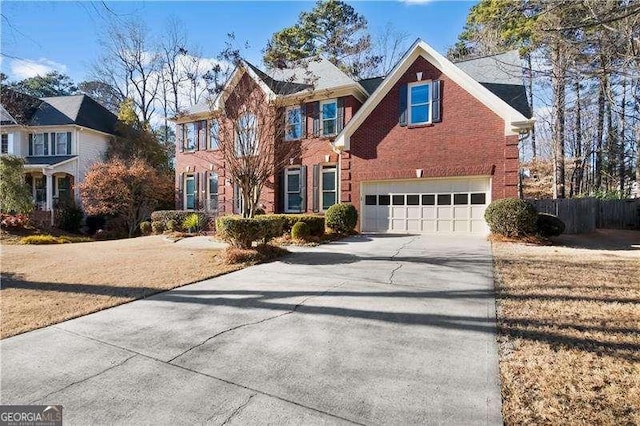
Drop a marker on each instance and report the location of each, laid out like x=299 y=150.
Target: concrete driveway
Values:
x=370 y=330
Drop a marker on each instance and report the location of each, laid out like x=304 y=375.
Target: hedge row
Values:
x=315 y=222
x=513 y=217
x=242 y=232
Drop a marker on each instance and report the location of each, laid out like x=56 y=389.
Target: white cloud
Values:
x=26 y=68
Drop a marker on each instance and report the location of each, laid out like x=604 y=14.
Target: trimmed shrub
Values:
x=145 y=228
x=179 y=216
x=40 y=239
x=341 y=218
x=549 y=225
x=172 y=225
x=241 y=232
x=315 y=222
x=94 y=223
x=14 y=221
x=193 y=222
x=300 y=231
x=511 y=217
x=69 y=217
x=157 y=227
x=258 y=254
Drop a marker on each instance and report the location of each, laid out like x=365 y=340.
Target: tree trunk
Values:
x=558 y=86
x=579 y=160
x=623 y=125
x=597 y=173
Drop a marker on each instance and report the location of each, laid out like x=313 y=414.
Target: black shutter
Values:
x=68 y=143
x=436 y=101
x=304 y=115
x=315 y=108
x=303 y=188
x=196 y=190
x=30 y=143
x=53 y=144
x=181 y=191
x=46 y=144
x=280 y=202
x=403 y=105
x=340 y=121
x=316 y=183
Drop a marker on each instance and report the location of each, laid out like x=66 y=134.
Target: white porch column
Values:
x=49 y=175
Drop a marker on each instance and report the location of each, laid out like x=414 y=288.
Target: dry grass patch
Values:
x=43 y=285
x=569 y=330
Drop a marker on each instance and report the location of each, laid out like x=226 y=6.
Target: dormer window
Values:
x=419 y=103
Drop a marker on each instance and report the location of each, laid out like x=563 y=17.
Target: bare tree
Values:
x=389 y=45
x=130 y=63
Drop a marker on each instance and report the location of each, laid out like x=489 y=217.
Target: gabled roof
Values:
x=80 y=110
x=514 y=120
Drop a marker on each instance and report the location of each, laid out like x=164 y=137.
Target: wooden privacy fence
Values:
x=582 y=215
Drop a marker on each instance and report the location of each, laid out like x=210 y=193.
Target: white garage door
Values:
x=426 y=206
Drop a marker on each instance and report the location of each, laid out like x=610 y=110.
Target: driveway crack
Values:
x=294 y=309
x=399 y=264
x=82 y=380
x=237 y=410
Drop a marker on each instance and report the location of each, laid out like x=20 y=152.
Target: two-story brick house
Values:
x=422 y=149
x=59 y=137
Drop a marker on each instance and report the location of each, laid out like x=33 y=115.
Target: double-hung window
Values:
x=61 y=144
x=5 y=144
x=329 y=117
x=213 y=191
x=190 y=192
x=293 y=197
x=329 y=186
x=190 y=136
x=419 y=102
x=38 y=144
x=214 y=134
x=293 y=126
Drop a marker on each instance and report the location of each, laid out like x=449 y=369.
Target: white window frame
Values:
x=290 y=125
x=187 y=178
x=193 y=126
x=328 y=167
x=210 y=192
x=428 y=103
x=35 y=135
x=214 y=141
x=287 y=191
x=323 y=119
x=57 y=136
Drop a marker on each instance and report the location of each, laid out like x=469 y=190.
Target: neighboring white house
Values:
x=59 y=138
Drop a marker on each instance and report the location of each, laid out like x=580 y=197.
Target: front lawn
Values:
x=47 y=284
x=569 y=329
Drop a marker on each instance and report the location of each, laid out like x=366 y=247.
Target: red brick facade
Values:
x=469 y=141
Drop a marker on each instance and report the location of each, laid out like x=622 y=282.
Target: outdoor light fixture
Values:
x=418 y=173
x=419 y=76
x=327 y=158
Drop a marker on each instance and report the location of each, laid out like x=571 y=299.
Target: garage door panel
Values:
x=426 y=206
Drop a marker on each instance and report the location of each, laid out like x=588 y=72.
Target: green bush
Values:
x=179 y=216
x=315 y=222
x=69 y=217
x=193 y=222
x=242 y=232
x=300 y=231
x=511 y=217
x=172 y=225
x=145 y=228
x=341 y=218
x=157 y=227
x=40 y=239
x=549 y=225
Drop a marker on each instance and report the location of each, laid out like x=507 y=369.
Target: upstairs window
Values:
x=5 y=144
x=190 y=136
x=293 y=126
x=39 y=143
x=246 y=135
x=214 y=134
x=419 y=103
x=329 y=117
x=62 y=144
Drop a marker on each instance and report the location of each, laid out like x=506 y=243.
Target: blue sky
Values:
x=41 y=36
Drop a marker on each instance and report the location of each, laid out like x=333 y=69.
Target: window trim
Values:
x=4 y=138
x=210 y=137
x=35 y=154
x=185 y=138
x=57 y=138
x=334 y=119
x=324 y=167
x=287 y=172
x=187 y=178
x=429 y=102
x=287 y=124
x=210 y=193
